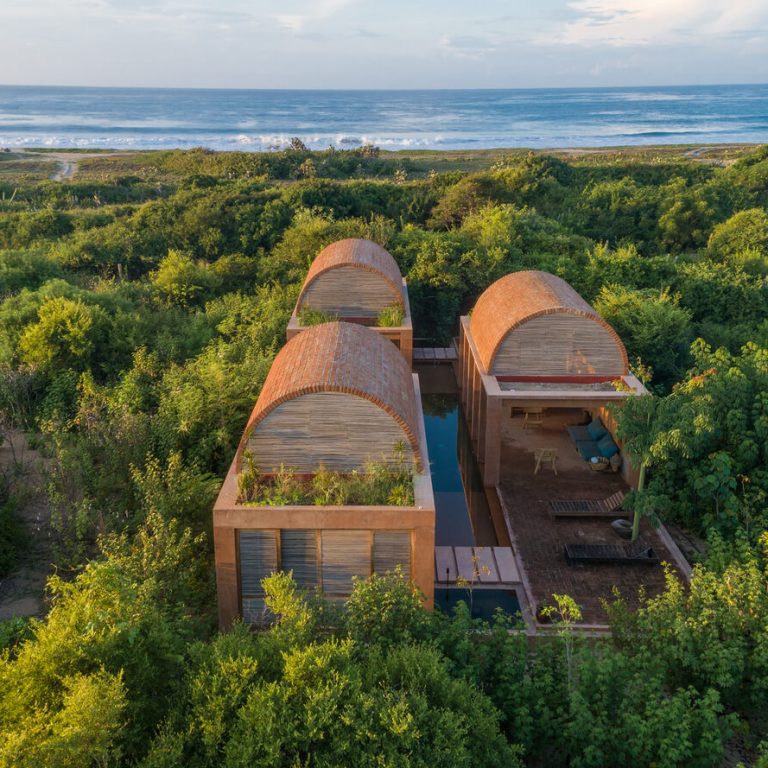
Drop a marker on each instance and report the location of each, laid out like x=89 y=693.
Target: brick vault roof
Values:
x=521 y=296
x=346 y=358
x=355 y=252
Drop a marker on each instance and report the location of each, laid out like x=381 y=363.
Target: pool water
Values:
x=463 y=517
x=484 y=601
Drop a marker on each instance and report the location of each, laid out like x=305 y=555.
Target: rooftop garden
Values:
x=391 y=316
x=375 y=484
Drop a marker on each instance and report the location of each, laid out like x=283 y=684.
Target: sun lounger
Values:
x=639 y=552
x=610 y=507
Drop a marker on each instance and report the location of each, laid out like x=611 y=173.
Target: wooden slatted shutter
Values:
x=298 y=553
x=390 y=549
x=345 y=554
x=258 y=559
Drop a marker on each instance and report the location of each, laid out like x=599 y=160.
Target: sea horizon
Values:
x=258 y=119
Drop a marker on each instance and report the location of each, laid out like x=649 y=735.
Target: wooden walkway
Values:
x=489 y=567
x=434 y=354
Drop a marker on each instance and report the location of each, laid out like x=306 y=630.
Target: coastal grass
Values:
x=166 y=166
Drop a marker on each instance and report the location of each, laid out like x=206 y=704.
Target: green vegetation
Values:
x=376 y=483
x=12 y=534
x=309 y=316
x=141 y=305
x=120 y=672
x=391 y=316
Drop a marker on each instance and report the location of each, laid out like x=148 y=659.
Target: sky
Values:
x=383 y=44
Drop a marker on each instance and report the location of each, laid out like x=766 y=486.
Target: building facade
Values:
x=357 y=281
x=338 y=397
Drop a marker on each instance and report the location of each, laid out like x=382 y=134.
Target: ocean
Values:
x=139 y=118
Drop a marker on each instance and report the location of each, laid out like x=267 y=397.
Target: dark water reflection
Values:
x=463 y=516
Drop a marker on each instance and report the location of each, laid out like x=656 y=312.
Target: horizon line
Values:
x=368 y=90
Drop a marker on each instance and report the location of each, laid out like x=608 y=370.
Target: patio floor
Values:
x=540 y=539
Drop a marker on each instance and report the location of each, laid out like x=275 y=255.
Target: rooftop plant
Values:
x=391 y=316
x=376 y=483
x=309 y=316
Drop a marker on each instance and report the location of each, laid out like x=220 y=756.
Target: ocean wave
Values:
x=402 y=120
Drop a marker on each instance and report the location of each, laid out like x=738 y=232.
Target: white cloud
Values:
x=468 y=46
x=659 y=22
x=313 y=13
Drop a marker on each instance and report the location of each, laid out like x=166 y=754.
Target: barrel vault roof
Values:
x=356 y=252
x=347 y=358
x=519 y=297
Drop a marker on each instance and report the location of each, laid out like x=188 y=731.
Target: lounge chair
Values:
x=610 y=507
x=639 y=552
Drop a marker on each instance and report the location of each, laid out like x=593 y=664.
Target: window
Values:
x=345 y=554
x=258 y=558
x=327 y=559
x=299 y=553
x=390 y=549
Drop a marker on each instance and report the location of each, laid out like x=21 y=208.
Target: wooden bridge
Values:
x=485 y=567
x=434 y=354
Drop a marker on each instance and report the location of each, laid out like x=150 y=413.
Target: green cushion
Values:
x=596 y=430
x=607 y=447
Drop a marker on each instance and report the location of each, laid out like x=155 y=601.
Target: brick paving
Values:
x=541 y=539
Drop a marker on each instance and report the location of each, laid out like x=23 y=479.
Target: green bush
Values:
x=13 y=535
x=309 y=316
x=391 y=316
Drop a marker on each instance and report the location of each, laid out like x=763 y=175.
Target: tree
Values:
x=182 y=280
x=652 y=325
x=640 y=426
x=65 y=335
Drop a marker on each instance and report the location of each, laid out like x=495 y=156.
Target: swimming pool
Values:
x=484 y=602
x=463 y=517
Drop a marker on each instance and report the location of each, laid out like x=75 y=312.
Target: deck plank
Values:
x=505 y=559
x=485 y=561
x=464 y=563
x=445 y=563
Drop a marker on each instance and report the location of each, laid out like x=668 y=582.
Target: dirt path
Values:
x=66 y=164
x=22 y=591
x=67 y=169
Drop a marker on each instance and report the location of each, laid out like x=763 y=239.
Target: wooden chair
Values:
x=533 y=417
x=543 y=455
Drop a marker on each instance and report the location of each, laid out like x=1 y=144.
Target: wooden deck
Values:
x=540 y=540
x=434 y=354
x=487 y=567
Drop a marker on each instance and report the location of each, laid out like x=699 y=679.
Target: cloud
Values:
x=127 y=11
x=314 y=12
x=468 y=46
x=623 y=23
x=364 y=32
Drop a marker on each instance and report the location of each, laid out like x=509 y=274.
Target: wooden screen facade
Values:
x=559 y=345
x=332 y=429
x=350 y=291
x=327 y=560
